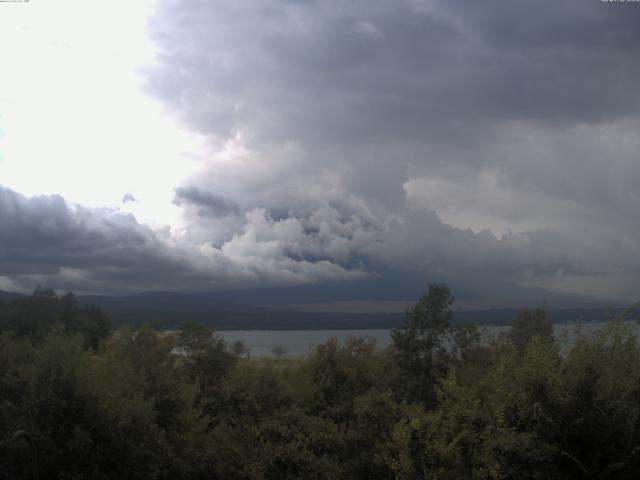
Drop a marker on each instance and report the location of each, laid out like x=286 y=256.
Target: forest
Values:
x=440 y=402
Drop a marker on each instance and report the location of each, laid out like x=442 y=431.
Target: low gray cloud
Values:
x=206 y=204
x=49 y=241
x=45 y=237
x=45 y=240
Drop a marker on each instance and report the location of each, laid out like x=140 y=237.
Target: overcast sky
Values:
x=194 y=145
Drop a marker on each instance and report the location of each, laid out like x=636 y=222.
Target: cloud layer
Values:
x=348 y=138
x=518 y=119
x=45 y=240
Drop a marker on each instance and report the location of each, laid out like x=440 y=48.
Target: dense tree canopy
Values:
x=439 y=403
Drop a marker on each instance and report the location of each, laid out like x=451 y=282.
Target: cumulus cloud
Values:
x=44 y=237
x=50 y=241
x=46 y=240
x=486 y=137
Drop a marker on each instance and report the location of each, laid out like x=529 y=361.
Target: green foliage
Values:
x=529 y=324
x=206 y=359
x=339 y=373
x=439 y=403
x=420 y=345
x=35 y=316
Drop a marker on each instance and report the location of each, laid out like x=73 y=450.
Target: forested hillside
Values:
x=437 y=404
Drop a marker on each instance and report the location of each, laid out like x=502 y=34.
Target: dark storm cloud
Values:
x=493 y=115
x=44 y=236
x=48 y=241
x=45 y=240
x=569 y=61
x=358 y=136
x=400 y=89
x=354 y=71
x=206 y=203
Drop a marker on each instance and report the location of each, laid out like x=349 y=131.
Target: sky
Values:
x=194 y=145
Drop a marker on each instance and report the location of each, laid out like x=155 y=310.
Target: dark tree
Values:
x=206 y=356
x=529 y=324
x=420 y=344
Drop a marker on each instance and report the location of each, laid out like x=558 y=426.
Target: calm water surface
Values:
x=295 y=343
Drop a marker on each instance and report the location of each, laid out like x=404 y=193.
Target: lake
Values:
x=295 y=343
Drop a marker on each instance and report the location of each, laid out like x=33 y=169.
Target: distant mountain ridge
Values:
x=475 y=292
x=169 y=310
x=376 y=302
